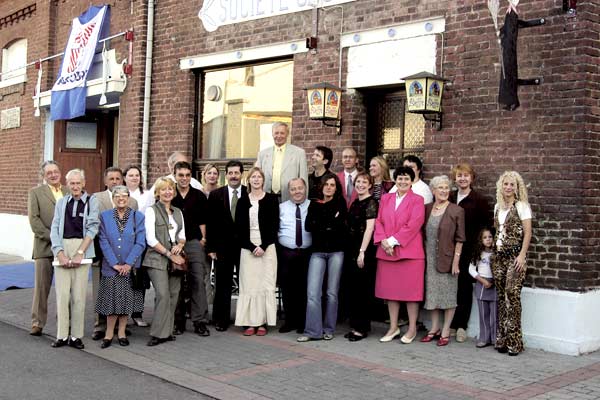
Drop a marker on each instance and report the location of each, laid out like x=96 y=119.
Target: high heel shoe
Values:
x=431 y=336
x=390 y=337
x=406 y=340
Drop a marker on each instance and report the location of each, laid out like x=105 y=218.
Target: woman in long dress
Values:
x=444 y=237
x=257 y=304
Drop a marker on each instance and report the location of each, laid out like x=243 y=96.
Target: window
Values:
x=240 y=105
x=14 y=59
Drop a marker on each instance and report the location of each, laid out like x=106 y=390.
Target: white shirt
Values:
x=524 y=212
x=144 y=200
x=483 y=267
x=149 y=223
x=230 y=189
x=422 y=189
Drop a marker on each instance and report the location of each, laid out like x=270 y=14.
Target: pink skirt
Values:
x=401 y=280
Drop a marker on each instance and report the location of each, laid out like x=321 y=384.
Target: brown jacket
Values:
x=40 y=208
x=450 y=231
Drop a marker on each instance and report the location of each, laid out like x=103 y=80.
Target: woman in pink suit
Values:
x=400 y=255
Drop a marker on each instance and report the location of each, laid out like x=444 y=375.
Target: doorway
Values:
x=86 y=143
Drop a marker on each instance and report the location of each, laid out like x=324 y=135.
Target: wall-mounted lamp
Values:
x=424 y=96
x=570 y=6
x=324 y=100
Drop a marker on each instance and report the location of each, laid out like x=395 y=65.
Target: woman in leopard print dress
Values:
x=512 y=220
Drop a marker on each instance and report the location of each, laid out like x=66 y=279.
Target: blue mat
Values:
x=17 y=276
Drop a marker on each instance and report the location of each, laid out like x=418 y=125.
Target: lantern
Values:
x=424 y=96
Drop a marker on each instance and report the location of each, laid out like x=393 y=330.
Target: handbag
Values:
x=140 y=280
x=178 y=269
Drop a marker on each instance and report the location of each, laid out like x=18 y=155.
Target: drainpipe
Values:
x=147 y=91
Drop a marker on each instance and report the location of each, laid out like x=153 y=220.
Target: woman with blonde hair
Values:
x=382 y=183
x=210 y=178
x=512 y=220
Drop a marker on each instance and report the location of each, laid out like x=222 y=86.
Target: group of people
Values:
x=398 y=240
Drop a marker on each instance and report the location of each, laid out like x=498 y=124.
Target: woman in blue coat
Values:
x=123 y=240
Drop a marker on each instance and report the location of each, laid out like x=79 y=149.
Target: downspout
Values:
x=147 y=91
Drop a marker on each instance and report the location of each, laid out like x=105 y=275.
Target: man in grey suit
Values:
x=282 y=162
x=40 y=209
x=113 y=176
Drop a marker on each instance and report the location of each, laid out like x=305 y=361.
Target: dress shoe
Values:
x=76 y=343
x=249 y=331
x=261 y=331
x=123 y=341
x=60 y=343
x=407 y=340
x=97 y=335
x=285 y=328
x=105 y=343
x=353 y=337
x=431 y=336
x=138 y=321
x=154 y=341
x=200 y=329
x=461 y=335
x=513 y=353
x=221 y=327
x=171 y=338
x=443 y=341
x=502 y=349
x=35 y=331
x=390 y=337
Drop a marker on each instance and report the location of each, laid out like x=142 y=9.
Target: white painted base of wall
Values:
x=16 y=237
x=555 y=320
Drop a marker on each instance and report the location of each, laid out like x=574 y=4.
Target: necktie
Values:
x=349 y=187
x=298 y=226
x=234 y=200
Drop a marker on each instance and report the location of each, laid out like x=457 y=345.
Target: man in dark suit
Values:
x=223 y=239
x=40 y=208
x=113 y=176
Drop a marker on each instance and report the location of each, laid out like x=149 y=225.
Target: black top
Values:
x=73 y=228
x=193 y=207
x=477 y=216
x=360 y=211
x=314 y=184
x=222 y=233
x=268 y=221
x=380 y=189
x=327 y=223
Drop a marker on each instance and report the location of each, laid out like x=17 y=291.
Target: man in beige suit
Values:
x=282 y=162
x=40 y=209
x=113 y=176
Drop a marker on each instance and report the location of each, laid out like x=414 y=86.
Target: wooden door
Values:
x=85 y=143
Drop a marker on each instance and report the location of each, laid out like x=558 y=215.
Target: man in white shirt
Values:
x=418 y=186
x=347 y=176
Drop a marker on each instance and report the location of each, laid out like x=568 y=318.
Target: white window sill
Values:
x=13 y=81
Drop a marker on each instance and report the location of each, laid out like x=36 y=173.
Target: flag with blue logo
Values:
x=69 y=90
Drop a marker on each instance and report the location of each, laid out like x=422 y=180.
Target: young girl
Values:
x=485 y=291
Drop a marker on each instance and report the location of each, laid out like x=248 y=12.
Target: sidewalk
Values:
x=229 y=366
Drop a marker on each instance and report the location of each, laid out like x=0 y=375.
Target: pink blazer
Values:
x=342 y=177
x=404 y=224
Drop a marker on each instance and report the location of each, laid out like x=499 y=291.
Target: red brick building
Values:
x=214 y=94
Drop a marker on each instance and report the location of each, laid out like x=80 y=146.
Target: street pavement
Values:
x=227 y=365
x=29 y=371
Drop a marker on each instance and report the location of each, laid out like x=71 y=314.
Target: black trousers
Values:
x=362 y=290
x=464 y=299
x=292 y=269
x=224 y=267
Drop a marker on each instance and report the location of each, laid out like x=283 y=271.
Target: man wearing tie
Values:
x=223 y=239
x=347 y=176
x=40 y=209
x=282 y=162
x=293 y=256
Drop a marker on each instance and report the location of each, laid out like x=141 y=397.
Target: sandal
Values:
x=443 y=341
x=261 y=331
x=431 y=336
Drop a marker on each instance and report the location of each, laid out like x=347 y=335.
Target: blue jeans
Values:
x=319 y=263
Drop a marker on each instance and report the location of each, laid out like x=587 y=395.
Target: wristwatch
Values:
x=80 y=252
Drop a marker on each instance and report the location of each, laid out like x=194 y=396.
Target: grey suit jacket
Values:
x=40 y=209
x=293 y=166
x=105 y=203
